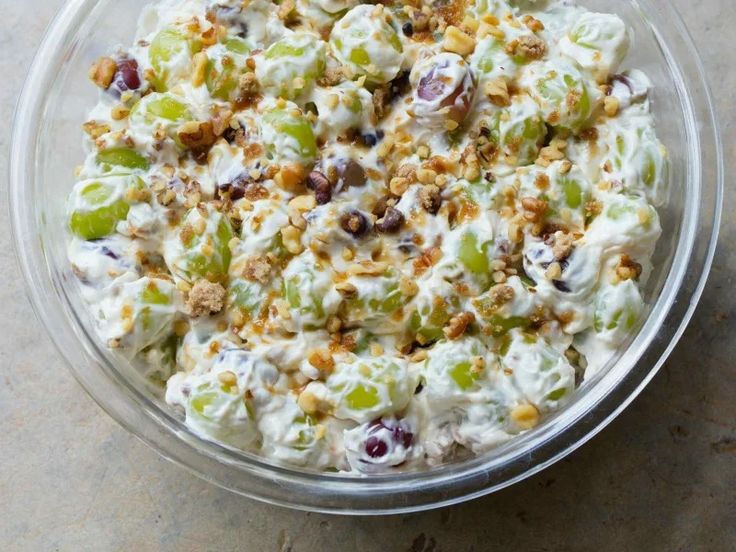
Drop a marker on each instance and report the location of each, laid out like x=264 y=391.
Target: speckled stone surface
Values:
x=661 y=477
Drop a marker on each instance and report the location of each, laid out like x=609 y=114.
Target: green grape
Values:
x=167 y=107
x=246 y=296
x=564 y=97
x=428 y=324
x=556 y=394
x=362 y=397
x=365 y=389
x=573 y=193
x=279 y=123
x=473 y=256
x=161 y=109
x=165 y=46
x=311 y=303
x=223 y=72
x=221 y=78
x=299 y=55
x=237 y=46
x=202 y=256
x=462 y=374
x=114 y=158
x=502 y=325
x=99 y=206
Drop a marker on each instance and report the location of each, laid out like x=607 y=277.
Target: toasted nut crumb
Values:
x=291 y=177
x=119 y=112
x=199 y=68
x=398 y=185
x=532 y=23
x=346 y=289
x=197 y=136
x=611 y=105
x=563 y=245
x=554 y=271
x=628 y=269
x=321 y=359
x=376 y=349
x=526 y=416
x=228 y=378
x=95 y=129
x=308 y=402
x=292 y=239
x=431 y=198
x=205 y=298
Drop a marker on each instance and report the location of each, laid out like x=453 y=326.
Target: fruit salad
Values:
x=368 y=238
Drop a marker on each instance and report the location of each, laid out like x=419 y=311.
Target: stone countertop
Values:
x=661 y=477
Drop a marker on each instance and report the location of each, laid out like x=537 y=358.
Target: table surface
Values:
x=661 y=477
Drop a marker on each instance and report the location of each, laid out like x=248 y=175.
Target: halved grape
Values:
x=565 y=98
x=366 y=43
x=160 y=111
x=474 y=255
x=288 y=136
x=365 y=389
x=98 y=205
x=114 y=159
x=292 y=64
x=618 y=309
x=225 y=66
x=519 y=130
x=191 y=255
x=444 y=90
x=165 y=48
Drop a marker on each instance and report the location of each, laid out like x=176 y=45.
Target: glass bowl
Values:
x=46 y=146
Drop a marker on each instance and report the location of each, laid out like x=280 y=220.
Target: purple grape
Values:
x=127 y=76
x=375 y=448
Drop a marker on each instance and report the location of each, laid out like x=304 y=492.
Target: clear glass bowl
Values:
x=46 y=146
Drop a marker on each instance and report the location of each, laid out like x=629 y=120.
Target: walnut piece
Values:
x=458 y=324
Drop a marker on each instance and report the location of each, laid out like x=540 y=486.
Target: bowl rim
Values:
x=255 y=477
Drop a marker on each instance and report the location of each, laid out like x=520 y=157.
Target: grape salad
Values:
x=362 y=237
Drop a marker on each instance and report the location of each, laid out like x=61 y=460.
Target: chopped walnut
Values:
x=197 y=136
x=458 y=324
x=206 y=298
x=562 y=246
x=458 y=42
x=96 y=129
x=534 y=209
x=103 y=71
x=498 y=92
